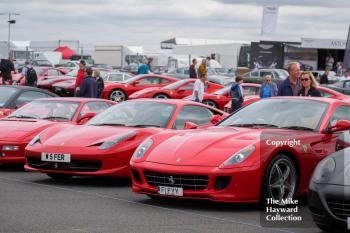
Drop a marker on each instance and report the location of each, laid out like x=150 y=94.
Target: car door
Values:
x=184 y=90
x=145 y=82
x=192 y=113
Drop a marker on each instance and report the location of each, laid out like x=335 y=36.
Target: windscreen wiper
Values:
x=254 y=125
x=55 y=118
x=23 y=117
x=296 y=127
x=143 y=126
x=108 y=124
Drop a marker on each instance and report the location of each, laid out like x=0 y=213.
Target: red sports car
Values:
x=42 y=73
x=268 y=149
x=177 y=90
x=48 y=81
x=220 y=98
x=24 y=124
x=325 y=92
x=13 y=97
x=107 y=142
x=121 y=91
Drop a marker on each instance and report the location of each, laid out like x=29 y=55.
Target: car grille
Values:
x=340 y=208
x=187 y=182
x=74 y=165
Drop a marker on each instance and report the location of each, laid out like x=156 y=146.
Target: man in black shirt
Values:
x=324 y=76
x=6 y=67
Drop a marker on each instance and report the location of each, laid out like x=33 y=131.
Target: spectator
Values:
x=80 y=75
x=6 y=67
x=29 y=74
x=143 y=69
x=268 y=88
x=324 y=76
x=329 y=62
x=149 y=61
x=99 y=82
x=193 y=72
x=207 y=61
x=237 y=94
x=202 y=70
x=198 y=89
x=88 y=88
x=338 y=69
x=290 y=86
x=309 y=85
x=346 y=75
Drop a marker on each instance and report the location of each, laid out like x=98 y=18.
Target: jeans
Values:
x=236 y=104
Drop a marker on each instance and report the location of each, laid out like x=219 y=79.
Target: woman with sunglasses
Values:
x=309 y=85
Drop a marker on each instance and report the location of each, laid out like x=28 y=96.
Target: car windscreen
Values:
x=5 y=94
x=222 y=91
x=72 y=73
x=280 y=113
x=136 y=114
x=49 y=110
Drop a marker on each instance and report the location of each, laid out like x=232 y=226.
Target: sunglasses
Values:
x=304 y=79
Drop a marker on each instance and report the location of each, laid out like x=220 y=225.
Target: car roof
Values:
x=74 y=99
x=320 y=99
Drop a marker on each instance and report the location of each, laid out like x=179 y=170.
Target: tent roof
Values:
x=67 y=52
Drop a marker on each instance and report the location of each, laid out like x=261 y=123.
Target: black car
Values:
x=14 y=96
x=329 y=192
x=341 y=86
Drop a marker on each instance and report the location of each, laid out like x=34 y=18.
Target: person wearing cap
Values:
x=80 y=75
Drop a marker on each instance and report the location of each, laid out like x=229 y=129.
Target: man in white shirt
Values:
x=198 y=89
x=346 y=76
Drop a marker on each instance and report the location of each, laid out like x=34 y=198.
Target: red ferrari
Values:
x=325 y=92
x=23 y=125
x=42 y=73
x=48 y=81
x=177 y=90
x=107 y=142
x=121 y=91
x=268 y=149
x=219 y=98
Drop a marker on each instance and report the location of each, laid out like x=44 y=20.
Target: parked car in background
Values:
x=340 y=86
x=220 y=98
x=332 y=78
x=325 y=92
x=236 y=160
x=102 y=66
x=107 y=142
x=132 y=69
x=42 y=63
x=115 y=76
x=26 y=124
x=69 y=64
x=177 y=90
x=13 y=97
x=121 y=91
x=48 y=81
x=42 y=73
x=257 y=76
x=329 y=191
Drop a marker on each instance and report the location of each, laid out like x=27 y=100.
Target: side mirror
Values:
x=190 y=125
x=136 y=83
x=83 y=119
x=215 y=119
x=341 y=125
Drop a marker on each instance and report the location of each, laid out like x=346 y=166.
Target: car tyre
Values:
x=210 y=103
x=161 y=96
x=280 y=180
x=57 y=176
x=117 y=95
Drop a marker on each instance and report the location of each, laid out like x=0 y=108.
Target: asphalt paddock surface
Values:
x=32 y=202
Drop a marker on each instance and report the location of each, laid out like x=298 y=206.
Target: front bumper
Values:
x=243 y=186
x=83 y=163
x=324 y=203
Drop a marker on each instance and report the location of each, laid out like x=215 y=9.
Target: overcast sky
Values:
x=147 y=22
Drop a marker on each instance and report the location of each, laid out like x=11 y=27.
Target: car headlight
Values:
x=108 y=144
x=143 y=148
x=10 y=148
x=240 y=156
x=324 y=170
x=35 y=140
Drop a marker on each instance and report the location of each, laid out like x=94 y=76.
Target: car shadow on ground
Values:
x=11 y=168
x=86 y=182
x=189 y=204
